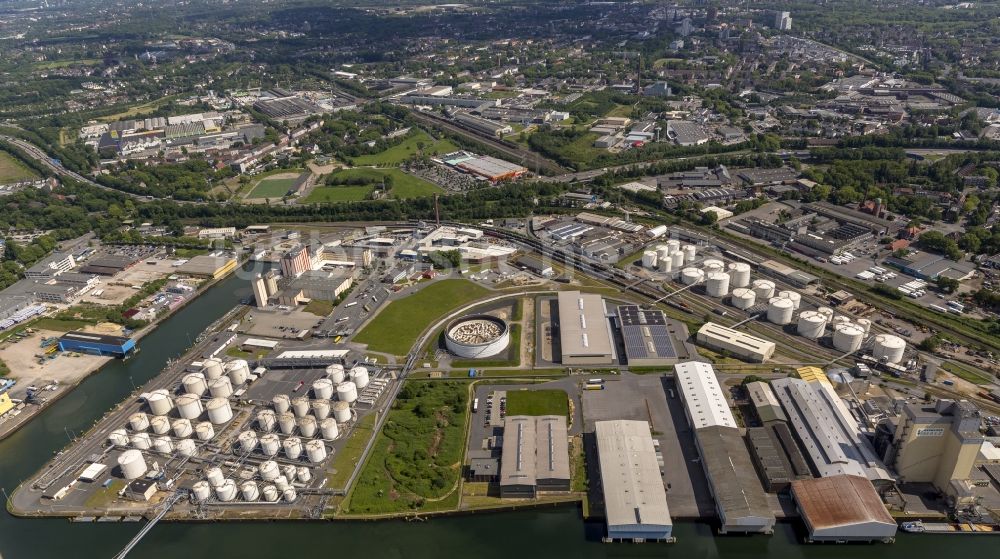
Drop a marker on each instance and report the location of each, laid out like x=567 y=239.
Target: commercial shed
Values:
x=97 y=344
x=843 y=508
x=584 y=330
x=747 y=347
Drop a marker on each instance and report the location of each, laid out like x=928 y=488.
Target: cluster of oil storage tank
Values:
x=669 y=256
x=276 y=483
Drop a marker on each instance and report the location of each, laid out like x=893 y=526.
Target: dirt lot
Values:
x=64 y=369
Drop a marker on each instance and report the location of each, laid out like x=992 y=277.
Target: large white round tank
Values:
x=779 y=310
x=321 y=409
x=182 y=428
x=281 y=482
x=662 y=253
x=811 y=325
x=212 y=368
x=289 y=495
x=281 y=403
x=293 y=447
x=865 y=324
x=764 y=289
x=248 y=441
x=288 y=471
x=160 y=424
x=141 y=441
x=649 y=259
x=300 y=406
x=159 y=402
x=342 y=412
x=286 y=422
x=270 y=494
x=740 y=274
x=665 y=264
x=227 y=491
x=359 y=376
x=219 y=410
x=690 y=253
x=840 y=320
x=132 y=464
x=215 y=476
x=163 y=445
x=204 y=431
x=221 y=387
x=889 y=348
x=119 y=438
x=347 y=392
x=847 y=337
x=316 y=451
x=269 y=470
x=676 y=259
x=717 y=284
x=138 y=421
x=335 y=372
x=792 y=296
x=713 y=265
x=249 y=491
x=270 y=444
x=194 y=383
x=186 y=447
x=307 y=426
x=827 y=312
x=303 y=474
x=743 y=298
x=691 y=276
x=328 y=428
x=201 y=490
x=189 y=406
x=238 y=371
x=266 y=420
x=323 y=388
x=673 y=245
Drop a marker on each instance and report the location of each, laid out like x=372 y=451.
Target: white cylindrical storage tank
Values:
x=182 y=428
x=119 y=438
x=288 y=495
x=163 y=445
x=160 y=402
x=281 y=403
x=141 y=441
x=212 y=368
x=249 y=491
x=269 y=471
x=690 y=253
x=792 y=296
x=303 y=474
x=186 y=447
x=323 y=388
x=307 y=426
x=743 y=298
x=132 y=464
x=717 y=284
x=292 y=447
x=266 y=420
x=221 y=387
x=342 y=412
x=219 y=410
x=328 y=428
x=270 y=444
x=248 y=441
x=889 y=348
x=300 y=406
x=827 y=312
x=201 y=490
x=215 y=476
x=713 y=265
x=281 y=482
x=227 y=491
x=286 y=423
x=204 y=431
x=316 y=451
x=321 y=409
x=673 y=245
x=289 y=472
x=649 y=259
x=779 y=310
x=840 y=320
x=740 y=274
x=662 y=253
x=665 y=264
x=138 y=421
x=160 y=424
x=270 y=493
x=359 y=376
x=335 y=372
x=865 y=325
x=764 y=289
x=189 y=406
x=676 y=259
x=194 y=383
x=238 y=371
x=347 y=392
x=848 y=337
x=691 y=276
x=811 y=325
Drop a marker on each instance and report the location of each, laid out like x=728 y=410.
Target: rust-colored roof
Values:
x=839 y=500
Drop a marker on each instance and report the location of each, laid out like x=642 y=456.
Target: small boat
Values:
x=914 y=527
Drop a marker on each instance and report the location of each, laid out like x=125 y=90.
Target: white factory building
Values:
x=739 y=344
x=584 y=329
x=635 y=501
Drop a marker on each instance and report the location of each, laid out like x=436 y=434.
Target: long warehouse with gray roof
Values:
x=535 y=456
x=584 y=330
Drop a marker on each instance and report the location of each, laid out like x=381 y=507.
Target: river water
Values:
x=547 y=533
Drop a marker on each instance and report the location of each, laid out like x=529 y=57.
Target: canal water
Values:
x=548 y=533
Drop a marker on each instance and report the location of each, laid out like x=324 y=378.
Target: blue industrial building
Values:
x=97 y=344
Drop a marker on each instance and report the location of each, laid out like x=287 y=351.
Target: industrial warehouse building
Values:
x=316 y=284
x=749 y=348
x=97 y=344
x=778 y=458
x=740 y=501
x=635 y=501
x=584 y=330
x=535 y=456
x=764 y=402
x=208 y=266
x=646 y=337
x=843 y=508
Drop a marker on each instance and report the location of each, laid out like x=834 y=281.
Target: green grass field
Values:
x=343 y=463
x=537 y=402
x=12 y=170
x=332 y=194
x=398 y=326
x=403 y=185
x=965 y=373
x=272 y=188
x=319 y=307
x=404 y=150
